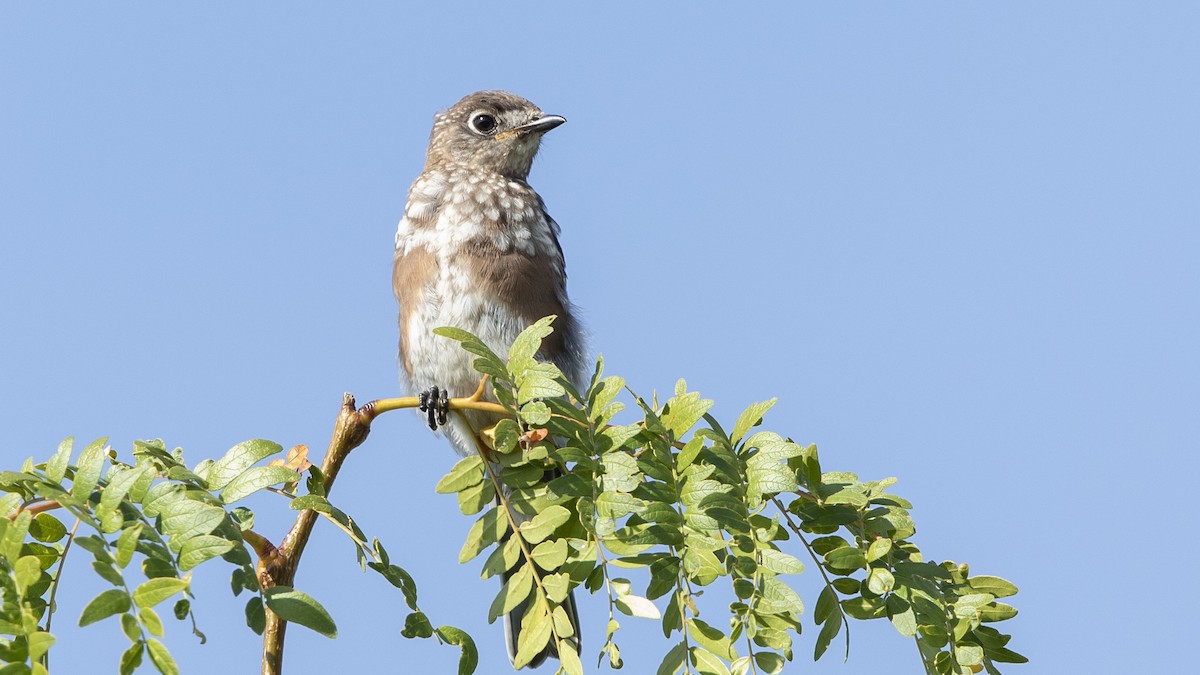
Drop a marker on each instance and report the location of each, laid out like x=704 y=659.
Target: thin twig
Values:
x=350 y=430
x=787 y=517
x=62 y=559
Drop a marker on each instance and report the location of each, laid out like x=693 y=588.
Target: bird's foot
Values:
x=435 y=403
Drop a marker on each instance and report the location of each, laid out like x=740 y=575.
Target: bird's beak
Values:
x=539 y=126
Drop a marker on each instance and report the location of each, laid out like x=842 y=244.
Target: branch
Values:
x=36 y=508
x=349 y=431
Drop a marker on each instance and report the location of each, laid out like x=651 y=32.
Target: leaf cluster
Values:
x=566 y=498
x=147 y=525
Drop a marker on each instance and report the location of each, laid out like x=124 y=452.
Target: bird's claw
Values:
x=435 y=403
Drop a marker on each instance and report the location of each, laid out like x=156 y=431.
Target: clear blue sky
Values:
x=959 y=241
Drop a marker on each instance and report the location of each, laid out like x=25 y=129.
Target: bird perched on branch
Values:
x=476 y=250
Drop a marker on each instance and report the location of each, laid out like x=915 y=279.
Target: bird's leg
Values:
x=435 y=403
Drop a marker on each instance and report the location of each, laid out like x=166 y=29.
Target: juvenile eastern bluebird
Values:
x=476 y=250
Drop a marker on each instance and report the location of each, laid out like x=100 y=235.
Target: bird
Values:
x=477 y=250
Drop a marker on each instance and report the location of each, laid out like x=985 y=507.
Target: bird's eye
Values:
x=483 y=123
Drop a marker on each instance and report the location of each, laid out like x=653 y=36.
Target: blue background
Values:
x=958 y=240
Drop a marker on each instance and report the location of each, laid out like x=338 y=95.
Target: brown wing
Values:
x=411 y=275
x=530 y=287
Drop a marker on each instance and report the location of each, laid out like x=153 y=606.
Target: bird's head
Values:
x=492 y=131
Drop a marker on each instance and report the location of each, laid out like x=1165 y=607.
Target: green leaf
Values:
x=27 y=570
x=826 y=605
x=538 y=382
x=543 y=524
x=161 y=658
x=39 y=643
x=527 y=344
x=9 y=504
x=828 y=632
x=416 y=624
x=473 y=499
x=160 y=496
x=751 y=417
x=13 y=536
x=673 y=661
x=252 y=480
x=48 y=555
x=56 y=468
x=997 y=587
x=87 y=472
x=203 y=547
x=503 y=558
x=120 y=481
x=769 y=662
x=127 y=543
x=239 y=458
x=863 y=608
x=467 y=472
x=130 y=627
x=780 y=562
x=158 y=567
x=132 y=658
x=635 y=605
x=298 y=607
x=905 y=622
x=186 y=518
x=151 y=621
x=488 y=362
x=535 y=633
x=469 y=659
x=846 y=559
x=535 y=413
x=701 y=566
x=707 y=663
x=778 y=598
x=513 y=592
x=507 y=434
x=603 y=391
x=256 y=617
x=664 y=575
x=550 y=555
x=569 y=658
x=563 y=627
x=710 y=638
x=487 y=530
x=968 y=654
x=1004 y=655
x=316 y=503
x=399 y=578
x=614 y=505
x=557 y=586
x=106 y=571
x=880 y=581
x=155 y=591
x=689 y=453
x=878 y=549
x=682 y=412
x=997 y=611
x=110 y=602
